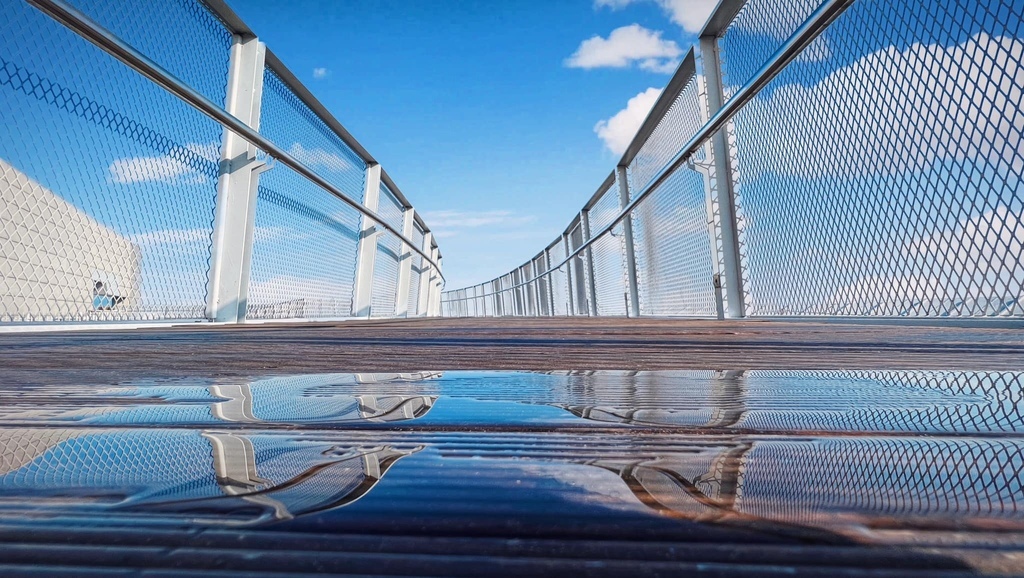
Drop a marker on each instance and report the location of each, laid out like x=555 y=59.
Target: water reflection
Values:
x=206 y=477
x=860 y=487
x=312 y=399
x=892 y=457
x=884 y=401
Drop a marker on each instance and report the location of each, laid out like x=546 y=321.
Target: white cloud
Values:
x=689 y=14
x=319 y=73
x=619 y=130
x=317 y=157
x=626 y=46
x=165 y=169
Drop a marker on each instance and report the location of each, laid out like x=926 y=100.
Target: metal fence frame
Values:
x=702 y=64
x=241 y=167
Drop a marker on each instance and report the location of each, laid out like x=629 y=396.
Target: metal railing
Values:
x=856 y=159
x=130 y=193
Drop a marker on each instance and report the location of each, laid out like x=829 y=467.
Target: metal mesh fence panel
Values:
x=107 y=183
x=759 y=29
x=389 y=250
x=559 y=281
x=609 y=268
x=682 y=120
x=580 y=277
x=673 y=248
x=295 y=217
x=182 y=36
x=880 y=174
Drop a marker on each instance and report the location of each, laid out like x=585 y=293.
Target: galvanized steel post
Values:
x=237 y=187
x=589 y=260
x=405 y=265
x=363 y=293
x=632 y=286
x=724 y=179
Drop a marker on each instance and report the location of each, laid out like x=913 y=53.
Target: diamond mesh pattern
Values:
x=296 y=217
x=194 y=49
x=759 y=29
x=896 y=190
x=608 y=255
x=673 y=248
x=389 y=252
x=107 y=183
x=683 y=119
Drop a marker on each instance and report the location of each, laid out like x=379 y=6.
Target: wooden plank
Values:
x=508 y=344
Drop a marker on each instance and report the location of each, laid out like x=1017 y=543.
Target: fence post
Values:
x=591 y=284
x=734 y=290
x=422 y=306
x=551 y=283
x=405 y=265
x=570 y=287
x=366 y=254
x=237 y=188
x=440 y=284
x=627 y=228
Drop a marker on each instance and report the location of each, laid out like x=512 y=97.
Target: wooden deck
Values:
x=508 y=343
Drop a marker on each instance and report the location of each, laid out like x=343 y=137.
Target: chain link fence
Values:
x=114 y=188
x=816 y=159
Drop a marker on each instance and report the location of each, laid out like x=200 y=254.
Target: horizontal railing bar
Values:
x=818 y=21
x=88 y=29
x=221 y=9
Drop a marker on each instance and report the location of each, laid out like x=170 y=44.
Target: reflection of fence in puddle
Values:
x=854 y=484
x=208 y=477
x=907 y=401
x=330 y=398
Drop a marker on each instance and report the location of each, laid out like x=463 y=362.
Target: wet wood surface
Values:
x=509 y=343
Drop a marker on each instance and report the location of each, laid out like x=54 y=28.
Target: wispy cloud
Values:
x=689 y=14
x=619 y=130
x=448 y=223
x=319 y=158
x=627 y=46
x=320 y=73
x=165 y=169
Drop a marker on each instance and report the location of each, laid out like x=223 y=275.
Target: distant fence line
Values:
x=846 y=158
x=159 y=163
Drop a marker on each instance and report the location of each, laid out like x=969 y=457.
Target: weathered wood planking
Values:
x=506 y=343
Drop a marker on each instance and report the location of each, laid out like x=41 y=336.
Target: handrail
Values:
x=88 y=29
x=816 y=23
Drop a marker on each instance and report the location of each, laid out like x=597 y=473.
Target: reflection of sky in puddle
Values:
x=775 y=452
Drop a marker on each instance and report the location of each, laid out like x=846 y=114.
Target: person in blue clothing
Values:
x=101 y=300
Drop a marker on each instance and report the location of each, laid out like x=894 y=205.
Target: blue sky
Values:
x=473 y=108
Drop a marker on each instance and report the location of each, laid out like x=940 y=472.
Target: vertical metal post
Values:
x=569 y=287
x=422 y=304
x=551 y=283
x=405 y=265
x=435 y=284
x=531 y=291
x=734 y=290
x=591 y=284
x=367 y=252
x=237 y=187
x=632 y=286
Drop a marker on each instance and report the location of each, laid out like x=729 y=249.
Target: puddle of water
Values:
x=923 y=458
